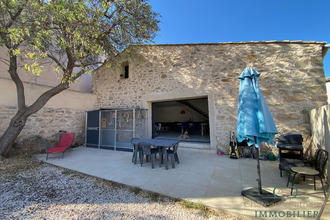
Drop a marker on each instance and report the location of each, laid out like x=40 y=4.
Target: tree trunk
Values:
x=17 y=123
x=15 y=127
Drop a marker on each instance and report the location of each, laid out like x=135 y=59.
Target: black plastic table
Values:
x=160 y=143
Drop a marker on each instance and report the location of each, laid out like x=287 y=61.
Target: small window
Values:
x=124 y=70
x=126 y=75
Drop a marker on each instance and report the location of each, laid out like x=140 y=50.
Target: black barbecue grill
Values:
x=290 y=151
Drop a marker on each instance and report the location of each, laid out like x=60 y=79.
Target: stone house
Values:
x=198 y=83
x=194 y=85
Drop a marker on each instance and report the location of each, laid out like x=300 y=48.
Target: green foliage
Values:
x=74 y=33
x=154 y=196
x=201 y=207
x=136 y=190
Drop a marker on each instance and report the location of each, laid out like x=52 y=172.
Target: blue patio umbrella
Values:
x=254 y=121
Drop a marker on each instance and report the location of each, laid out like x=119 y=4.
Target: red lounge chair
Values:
x=64 y=143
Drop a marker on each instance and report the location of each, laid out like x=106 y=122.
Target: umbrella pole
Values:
x=258 y=195
x=258 y=168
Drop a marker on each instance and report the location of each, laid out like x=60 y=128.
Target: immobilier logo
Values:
x=294 y=206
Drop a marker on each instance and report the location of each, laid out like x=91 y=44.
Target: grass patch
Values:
x=154 y=197
x=198 y=206
x=136 y=190
x=67 y=172
x=73 y=174
x=108 y=183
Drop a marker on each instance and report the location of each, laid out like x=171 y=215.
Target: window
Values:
x=125 y=71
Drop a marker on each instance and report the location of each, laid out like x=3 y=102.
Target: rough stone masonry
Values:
x=292 y=80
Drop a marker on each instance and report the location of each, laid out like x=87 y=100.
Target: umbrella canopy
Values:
x=254 y=121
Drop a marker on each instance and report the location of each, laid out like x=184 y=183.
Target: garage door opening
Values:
x=172 y=119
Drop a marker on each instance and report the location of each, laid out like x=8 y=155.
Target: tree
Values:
x=74 y=34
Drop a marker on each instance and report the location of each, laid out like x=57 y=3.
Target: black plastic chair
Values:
x=320 y=163
x=173 y=154
x=135 y=150
x=146 y=149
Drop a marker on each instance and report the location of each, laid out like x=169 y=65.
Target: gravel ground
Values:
x=31 y=189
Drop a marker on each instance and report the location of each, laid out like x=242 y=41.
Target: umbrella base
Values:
x=265 y=199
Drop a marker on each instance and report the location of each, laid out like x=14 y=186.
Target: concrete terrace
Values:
x=201 y=177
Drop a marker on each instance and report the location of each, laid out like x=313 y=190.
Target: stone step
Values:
x=193 y=146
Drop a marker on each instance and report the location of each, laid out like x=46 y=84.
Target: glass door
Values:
x=141 y=120
x=108 y=130
x=92 y=129
x=124 y=131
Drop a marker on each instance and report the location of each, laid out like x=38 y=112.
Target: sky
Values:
x=212 y=21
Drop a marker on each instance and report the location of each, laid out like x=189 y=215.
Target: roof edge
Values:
x=224 y=43
x=325 y=50
x=243 y=42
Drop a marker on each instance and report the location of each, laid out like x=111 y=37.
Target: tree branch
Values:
x=117 y=10
x=56 y=61
x=71 y=61
x=77 y=75
x=14 y=17
x=85 y=64
x=112 y=14
x=44 y=98
x=18 y=82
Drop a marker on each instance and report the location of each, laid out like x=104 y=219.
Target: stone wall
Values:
x=48 y=122
x=320 y=129
x=65 y=111
x=292 y=80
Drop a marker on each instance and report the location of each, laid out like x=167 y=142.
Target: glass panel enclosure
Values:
x=117 y=128
x=124 y=132
x=141 y=125
x=107 y=130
